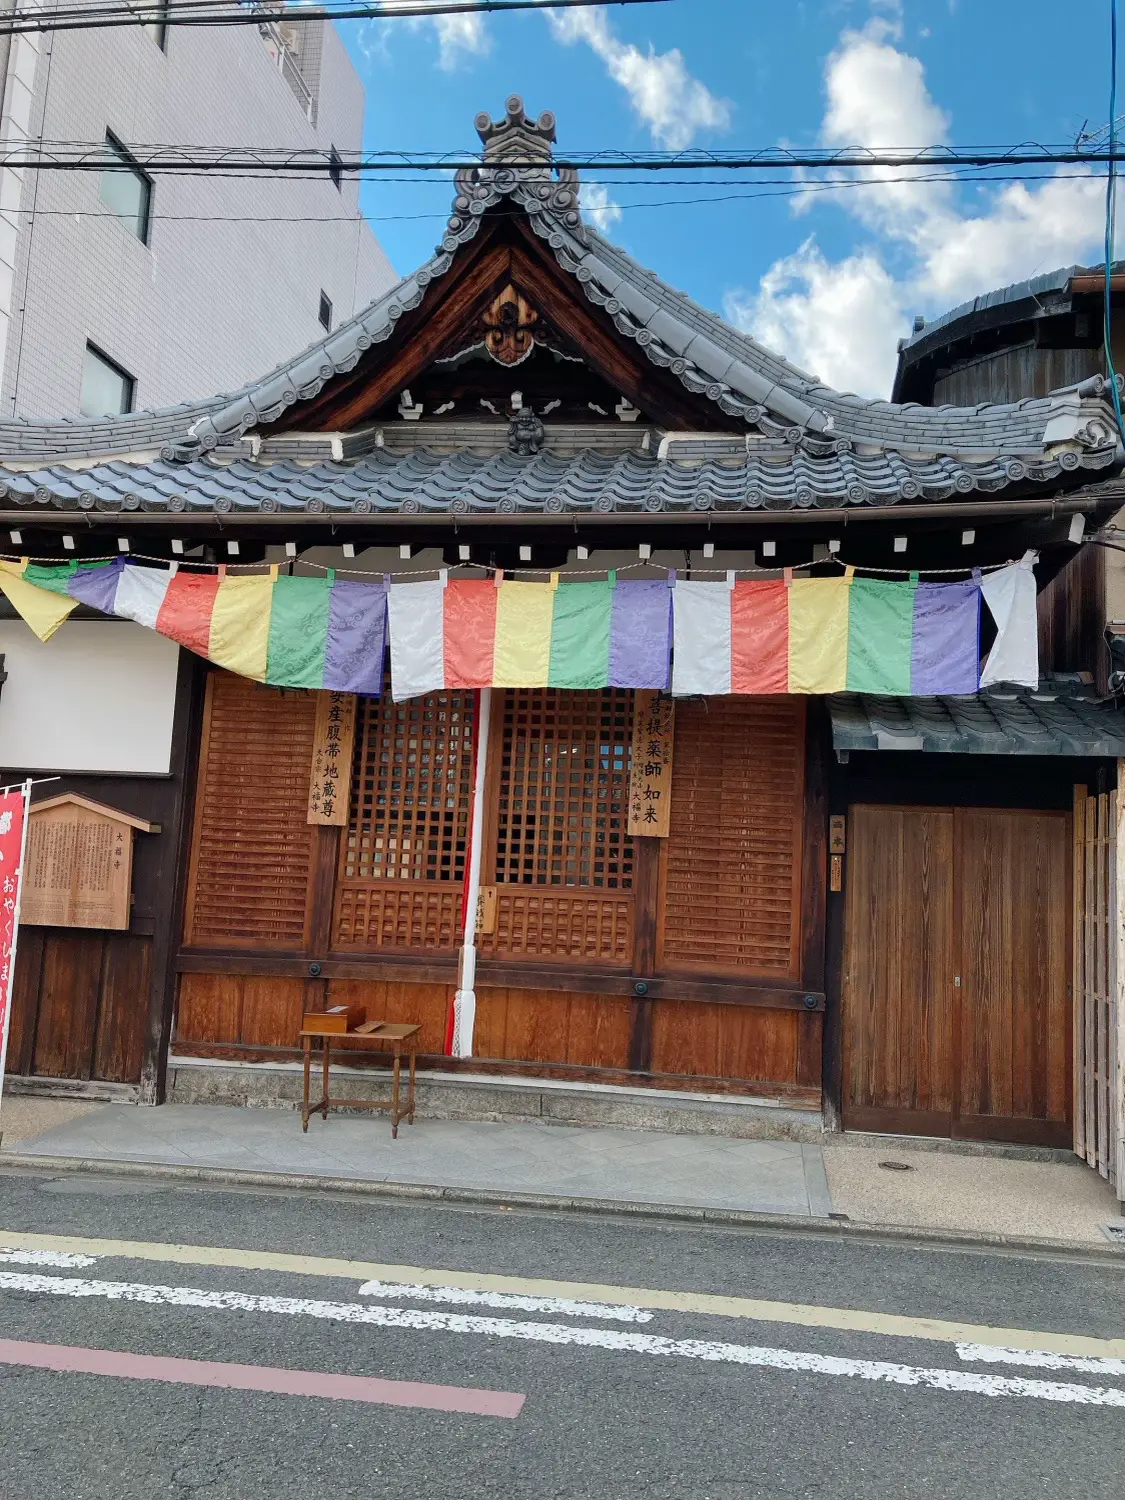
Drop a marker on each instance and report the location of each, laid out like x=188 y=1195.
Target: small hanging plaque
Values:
x=650 y=778
x=330 y=778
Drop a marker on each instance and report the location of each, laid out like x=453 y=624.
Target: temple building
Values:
x=539 y=659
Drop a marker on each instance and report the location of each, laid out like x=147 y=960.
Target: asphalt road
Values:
x=624 y=1395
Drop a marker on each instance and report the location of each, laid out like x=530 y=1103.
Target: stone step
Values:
x=460 y=1096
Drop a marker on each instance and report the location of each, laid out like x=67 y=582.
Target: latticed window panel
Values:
x=549 y=924
x=563 y=795
x=398 y=916
x=408 y=824
x=412 y=784
x=733 y=873
x=252 y=845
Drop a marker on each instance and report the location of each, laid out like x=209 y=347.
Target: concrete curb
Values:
x=405 y=1192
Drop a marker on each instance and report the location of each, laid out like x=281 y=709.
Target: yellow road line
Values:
x=850 y=1320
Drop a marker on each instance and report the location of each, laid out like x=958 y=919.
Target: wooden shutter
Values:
x=732 y=879
x=563 y=862
x=402 y=859
x=252 y=848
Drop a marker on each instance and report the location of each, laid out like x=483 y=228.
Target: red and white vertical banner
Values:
x=14 y=803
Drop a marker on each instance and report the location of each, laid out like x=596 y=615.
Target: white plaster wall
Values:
x=95 y=697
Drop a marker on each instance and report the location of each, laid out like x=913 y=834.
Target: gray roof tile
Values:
x=1062 y=717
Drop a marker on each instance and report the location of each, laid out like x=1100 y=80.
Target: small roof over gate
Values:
x=1064 y=716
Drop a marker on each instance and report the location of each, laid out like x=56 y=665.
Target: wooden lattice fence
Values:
x=1099 y=971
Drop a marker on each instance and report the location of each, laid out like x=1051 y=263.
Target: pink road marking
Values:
x=70 y=1360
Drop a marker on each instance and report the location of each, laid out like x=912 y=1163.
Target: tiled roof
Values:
x=1048 y=285
x=424 y=480
x=760 y=392
x=1063 y=717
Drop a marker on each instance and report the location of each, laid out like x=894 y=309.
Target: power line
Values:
x=214 y=13
x=782 y=188
x=170 y=159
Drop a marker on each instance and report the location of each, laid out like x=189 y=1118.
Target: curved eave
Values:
x=434 y=484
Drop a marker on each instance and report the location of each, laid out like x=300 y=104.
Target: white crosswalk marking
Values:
x=614 y=1340
x=564 y=1307
x=1038 y=1359
x=64 y=1259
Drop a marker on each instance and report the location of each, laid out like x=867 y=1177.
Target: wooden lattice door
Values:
x=560 y=855
x=402 y=855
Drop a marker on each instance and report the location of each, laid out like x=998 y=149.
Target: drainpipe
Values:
x=465 y=1000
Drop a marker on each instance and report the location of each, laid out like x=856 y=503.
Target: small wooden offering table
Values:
x=370 y=1036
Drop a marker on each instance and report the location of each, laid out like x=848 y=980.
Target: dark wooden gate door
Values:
x=957 y=961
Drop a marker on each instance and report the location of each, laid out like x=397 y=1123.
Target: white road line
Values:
x=1039 y=1359
x=617 y=1340
x=561 y=1306
x=707 y=1304
x=65 y=1259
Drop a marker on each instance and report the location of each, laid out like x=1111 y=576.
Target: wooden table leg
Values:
x=308 y=1060
x=410 y=1093
x=394 y=1093
x=326 y=1047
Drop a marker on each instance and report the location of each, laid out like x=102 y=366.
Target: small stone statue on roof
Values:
x=526 y=433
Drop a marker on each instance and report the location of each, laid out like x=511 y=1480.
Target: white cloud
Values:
x=599 y=206
x=843 y=319
x=673 y=104
x=839 y=319
x=460 y=36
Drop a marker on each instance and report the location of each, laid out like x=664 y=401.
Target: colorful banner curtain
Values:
x=288 y=632
x=746 y=636
x=835 y=635
x=465 y=633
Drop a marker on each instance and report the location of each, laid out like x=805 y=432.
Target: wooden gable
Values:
x=507 y=296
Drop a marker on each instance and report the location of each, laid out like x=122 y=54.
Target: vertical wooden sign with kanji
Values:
x=650 y=778
x=334 y=738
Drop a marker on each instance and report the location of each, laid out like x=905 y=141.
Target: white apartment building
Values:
x=121 y=291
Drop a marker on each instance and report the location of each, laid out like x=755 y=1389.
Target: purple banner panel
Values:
x=946 y=652
x=640 y=639
x=357 y=638
x=97 y=587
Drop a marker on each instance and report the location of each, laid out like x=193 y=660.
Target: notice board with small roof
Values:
x=80 y=864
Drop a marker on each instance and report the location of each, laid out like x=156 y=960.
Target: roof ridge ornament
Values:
x=517 y=137
x=517 y=162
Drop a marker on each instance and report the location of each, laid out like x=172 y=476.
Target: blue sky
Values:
x=832 y=278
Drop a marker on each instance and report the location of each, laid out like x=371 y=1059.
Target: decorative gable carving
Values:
x=509 y=327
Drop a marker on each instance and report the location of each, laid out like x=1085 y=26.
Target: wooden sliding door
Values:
x=956 y=1011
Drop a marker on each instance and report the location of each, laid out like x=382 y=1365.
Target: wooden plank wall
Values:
x=1071 y=616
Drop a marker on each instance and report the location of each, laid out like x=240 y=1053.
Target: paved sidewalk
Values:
x=636 y=1166
x=1060 y=1199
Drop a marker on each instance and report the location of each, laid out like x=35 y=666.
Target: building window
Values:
x=126 y=189
x=325 y=313
x=107 y=389
x=336 y=168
